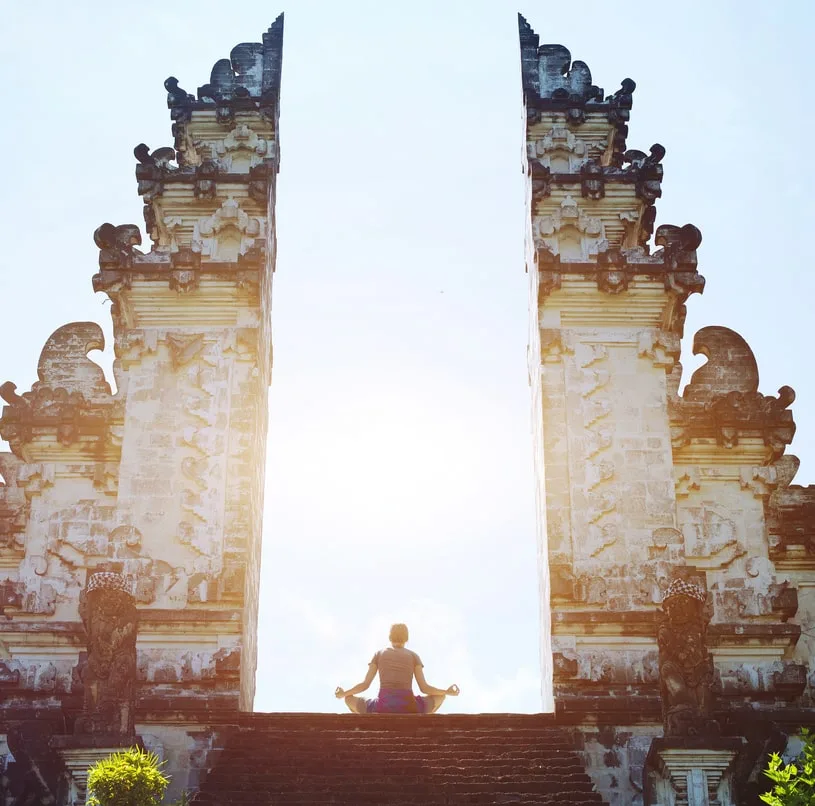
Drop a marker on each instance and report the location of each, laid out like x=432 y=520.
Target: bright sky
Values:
x=400 y=463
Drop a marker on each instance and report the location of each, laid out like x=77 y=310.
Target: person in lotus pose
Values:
x=397 y=667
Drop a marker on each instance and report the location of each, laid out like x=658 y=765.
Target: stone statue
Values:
x=685 y=665
x=108 y=611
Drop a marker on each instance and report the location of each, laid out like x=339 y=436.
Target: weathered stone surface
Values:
x=641 y=484
x=685 y=665
x=160 y=482
x=108 y=611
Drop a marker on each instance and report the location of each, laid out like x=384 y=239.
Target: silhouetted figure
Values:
x=397 y=667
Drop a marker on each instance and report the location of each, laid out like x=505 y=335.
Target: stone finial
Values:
x=252 y=71
x=116 y=245
x=549 y=74
x=685 y=665
x=108 y=611
x=71 y=392
x=731 y=365
x=722 y=398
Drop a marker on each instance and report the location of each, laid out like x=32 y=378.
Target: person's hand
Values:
x=339 y=692
x=454 y=690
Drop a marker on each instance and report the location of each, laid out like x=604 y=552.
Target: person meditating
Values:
x=397 y=667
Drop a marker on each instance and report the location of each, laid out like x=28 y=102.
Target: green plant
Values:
x=129 y=778
x=794 y=782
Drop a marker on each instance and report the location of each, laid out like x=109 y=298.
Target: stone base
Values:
x=80 y=753
x=691 y=772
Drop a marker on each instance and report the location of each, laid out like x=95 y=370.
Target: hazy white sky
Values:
x=399 y=469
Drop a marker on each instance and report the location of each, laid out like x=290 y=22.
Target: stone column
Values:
x=107 y=722
x=691 y=772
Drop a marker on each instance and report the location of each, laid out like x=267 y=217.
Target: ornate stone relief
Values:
x=108 y=611
x=685 y=665
x=239 y=151
x=559 y=150
x=661 y=347
x=152 y=169
x=14 y=508
x=226 y=234
x=722 y=398
x=117 y=245
x=71 y=397
x=570 y=234
x=649 y=171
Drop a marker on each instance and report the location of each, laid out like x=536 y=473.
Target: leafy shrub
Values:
x=129 y=778
x=794 y=782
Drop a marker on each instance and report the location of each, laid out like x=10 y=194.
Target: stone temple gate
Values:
x=678 y=559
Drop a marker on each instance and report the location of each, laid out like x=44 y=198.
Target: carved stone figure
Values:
x=685 y=665
x=108 y=611
x=116 y=245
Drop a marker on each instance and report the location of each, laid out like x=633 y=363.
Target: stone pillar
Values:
x=607 y=315
x=78 y=755
x=638 y=482
x=691 y=772
x=107 y=722
x=193 y=346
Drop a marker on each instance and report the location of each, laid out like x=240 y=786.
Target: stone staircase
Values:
x=395 y=760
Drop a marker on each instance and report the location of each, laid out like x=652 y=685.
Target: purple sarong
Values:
x=397 y=701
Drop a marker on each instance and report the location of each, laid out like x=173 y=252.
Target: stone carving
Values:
x=541 y=181
x=685 y=665
x=226 y=234
x=151 y=169
x=791 y=521
x=177 y=98
x=241 y=150
x=260 y=177
x=649 y=172
x=560 y=150
x=206 y=175
x=71 y=393
x=116 y=245
x=550 y=78
x=731 y=366
x=679 y=245
x=251 y=69
x=660 y=346
x=562 y=79
x=14 y=508
x=570 y=234
x=108 y=611
x=592 y=180
x=722 y=396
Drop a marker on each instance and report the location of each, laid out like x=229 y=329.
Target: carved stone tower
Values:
x=160 y=481
x=639 y=486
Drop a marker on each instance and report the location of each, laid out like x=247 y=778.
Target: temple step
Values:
x=395 y=760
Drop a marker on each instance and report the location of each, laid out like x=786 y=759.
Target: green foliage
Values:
x=129 y=778
x=794 y=782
